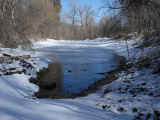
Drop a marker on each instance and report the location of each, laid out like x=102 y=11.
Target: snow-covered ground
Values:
x=136 y=94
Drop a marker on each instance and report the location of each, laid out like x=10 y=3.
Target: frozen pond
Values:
x=77 y=64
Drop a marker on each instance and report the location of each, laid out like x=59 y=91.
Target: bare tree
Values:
x=142 y=16
x=89 y=14
x=21 y=20
x=12 y=24
x=72 y=16
x=86 y=17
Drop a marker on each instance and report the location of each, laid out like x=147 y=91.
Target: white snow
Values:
x=17 y=100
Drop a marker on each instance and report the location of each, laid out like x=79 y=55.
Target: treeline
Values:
x=76 y=24
x=123 y=17
x=23 y=20
x=80 y=23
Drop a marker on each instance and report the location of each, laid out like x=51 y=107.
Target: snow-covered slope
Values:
x=134 y=95
x=17 y=101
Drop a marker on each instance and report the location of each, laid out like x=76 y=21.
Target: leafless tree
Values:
x=72 y=16
x=12 y=24
x=142 y=16
x=21 y=20
x=86 y=18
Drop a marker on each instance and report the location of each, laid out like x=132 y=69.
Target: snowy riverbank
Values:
x=135 y=94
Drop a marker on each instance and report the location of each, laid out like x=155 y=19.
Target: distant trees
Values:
x=22 y=20
x=86 y=15
x=80 y=22
x=72 y=16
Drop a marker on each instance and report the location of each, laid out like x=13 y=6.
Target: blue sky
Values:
x=96 y=5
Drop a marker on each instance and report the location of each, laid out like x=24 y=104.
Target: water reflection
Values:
x=75 y=65
x=55 y=74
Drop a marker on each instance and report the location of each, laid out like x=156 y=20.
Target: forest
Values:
x=23 y=20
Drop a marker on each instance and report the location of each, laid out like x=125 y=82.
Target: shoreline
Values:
x=109 y=78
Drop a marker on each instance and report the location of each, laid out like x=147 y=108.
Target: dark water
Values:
x=76 y=65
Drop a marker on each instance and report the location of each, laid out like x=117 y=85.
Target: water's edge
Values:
x=111 y=76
